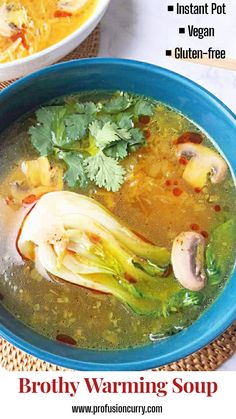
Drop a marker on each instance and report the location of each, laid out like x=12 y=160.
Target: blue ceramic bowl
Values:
x=194 y=102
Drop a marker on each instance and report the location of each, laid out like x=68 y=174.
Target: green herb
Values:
x=107 y=133
x=120 y=102
x=105 y=171
x=91 y=138
x=221 y=244
x=75 y=174
x=144 y=108
x=50 y=130
x=184 y=299
x=88 y=108
x=213 y=268
x=77 y=126
x=137 y=137
x=121 y=149
x=124 y=120
x=117 y=151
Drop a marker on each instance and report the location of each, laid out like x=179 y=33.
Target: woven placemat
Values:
x=207 y=359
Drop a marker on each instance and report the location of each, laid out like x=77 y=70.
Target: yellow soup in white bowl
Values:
x=36 y=33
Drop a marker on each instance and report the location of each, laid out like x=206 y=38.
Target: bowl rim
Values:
x=99 y=9
x=177 y=353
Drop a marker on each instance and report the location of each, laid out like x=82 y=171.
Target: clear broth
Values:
x=99 y=321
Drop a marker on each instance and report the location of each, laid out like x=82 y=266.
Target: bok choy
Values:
x=74 y=238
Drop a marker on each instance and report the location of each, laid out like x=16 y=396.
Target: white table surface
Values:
x=143 y=30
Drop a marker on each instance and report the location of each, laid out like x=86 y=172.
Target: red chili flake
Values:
x=144 y=119
x=147 y=133
x=20 y=34
x=176 y=182
x=217 y=208
x=177 y=191
x=205 y=234
x=61 y=13
x=15 y=36
x=168 y=182
x=190 y=137
x=194 y=227
x=183 y=160
x=68 y=340
x=142 y=237
x=29 y=199
x=198 y=190
x=94 y=238
x=1 y=296
x=130 y=278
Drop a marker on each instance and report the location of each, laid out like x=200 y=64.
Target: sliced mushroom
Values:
x=204 y=163
x=71 y=6
x=187 y=259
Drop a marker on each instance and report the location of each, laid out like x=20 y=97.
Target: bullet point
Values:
x=181 y=30
x=168 y=53
x=170 y=8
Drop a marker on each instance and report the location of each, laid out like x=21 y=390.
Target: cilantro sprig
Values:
x=91 y=138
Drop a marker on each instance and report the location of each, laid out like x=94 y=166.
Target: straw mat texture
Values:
x=207 y=359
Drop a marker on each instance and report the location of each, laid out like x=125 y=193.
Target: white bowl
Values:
x=18 y=68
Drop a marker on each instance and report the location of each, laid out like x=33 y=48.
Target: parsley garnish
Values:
x=91 y=138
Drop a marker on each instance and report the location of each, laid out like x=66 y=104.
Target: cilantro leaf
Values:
x=58 y=131
x=107 y=134
x=105 y=171
x=122 y=148
x=75 y=174
x=88 y=108
x=118 y=104
x=40 y=138
x=77 y=126
x=143 y=107
x=45 y=115
x=104 y=130
x=137 y=137
x=124 y=120
x=50 y=129
x=117 y=151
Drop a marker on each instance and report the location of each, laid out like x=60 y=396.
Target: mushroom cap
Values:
x=204 y=162
x=187 y=259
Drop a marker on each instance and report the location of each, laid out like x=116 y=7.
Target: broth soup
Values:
x=29 y=26
x=117 y=221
